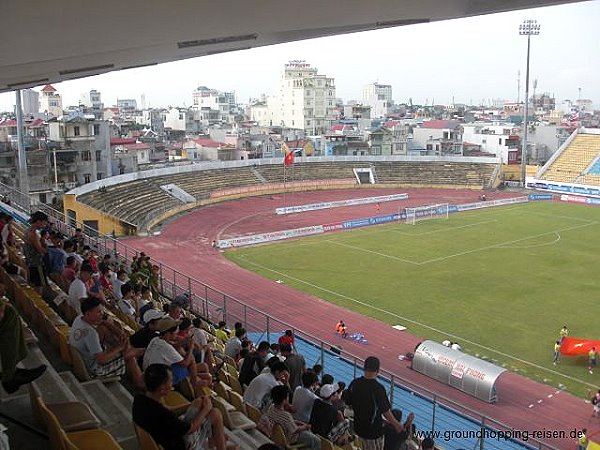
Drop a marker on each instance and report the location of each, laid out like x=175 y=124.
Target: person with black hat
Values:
x=370 y=404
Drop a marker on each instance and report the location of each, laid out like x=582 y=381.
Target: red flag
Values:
x=575 y=346
x=288 y=159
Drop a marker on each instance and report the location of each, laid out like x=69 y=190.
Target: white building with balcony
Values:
x=379 y=98
x=305 y=99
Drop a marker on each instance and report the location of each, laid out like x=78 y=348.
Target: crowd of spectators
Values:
x=170 y=347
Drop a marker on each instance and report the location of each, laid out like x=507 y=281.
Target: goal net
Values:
x=418 y=213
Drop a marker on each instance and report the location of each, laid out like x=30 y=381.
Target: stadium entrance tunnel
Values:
x=457 y=369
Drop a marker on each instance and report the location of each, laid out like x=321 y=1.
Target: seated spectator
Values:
x=79 y=287
x=69 y=247
x=304 y=396
x=337 y=402
x=325 y=420
x=199 y=422
x=258 y=391
x=318 y=370
x=295 y=432
x=427 y=444
x=161 y=350
x=92 y=258
x=105 y=277
x=70 y=272
x=174 y=311
x=221 y=332
x=183 y=300
x=275 y=351
x=253 y=364
x=201 y=337
x=79 y=240
x=125 y=304
x=295 y=363
x=234 y=344
x=202 y=353
x=13 y=348
x=145 y=302
x=287 y=338
x=326 y=379
x=142 y=337
x=398 y=440
x=99 y=361
x=117 y=282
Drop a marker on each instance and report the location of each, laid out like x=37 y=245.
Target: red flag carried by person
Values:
x=575 y=346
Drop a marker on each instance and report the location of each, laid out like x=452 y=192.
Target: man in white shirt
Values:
x=78 y=289
x=117 y=282
x=233 y=346
x=125 y=303
x=259 y=390
x=304 y=396
x=162 y=351
x=99 y=361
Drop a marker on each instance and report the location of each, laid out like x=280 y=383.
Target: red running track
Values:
x=184 y=244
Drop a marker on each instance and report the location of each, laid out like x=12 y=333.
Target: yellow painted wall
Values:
x=107 y=224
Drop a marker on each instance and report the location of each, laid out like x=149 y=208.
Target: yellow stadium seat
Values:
x=76 y=440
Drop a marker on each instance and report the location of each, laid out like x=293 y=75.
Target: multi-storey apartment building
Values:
x=50 y=101
x=305 y=99
x=379 y=98
x=82 y=147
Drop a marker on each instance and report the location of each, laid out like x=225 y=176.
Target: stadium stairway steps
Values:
x=109 y=408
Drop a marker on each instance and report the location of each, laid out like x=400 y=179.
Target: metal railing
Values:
x=215 y=305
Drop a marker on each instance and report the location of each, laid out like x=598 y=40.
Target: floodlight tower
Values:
x=527 y=28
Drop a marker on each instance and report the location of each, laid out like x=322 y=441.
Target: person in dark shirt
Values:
x=200 y=421
x=393 y=439
x=254 y=363
x=369 y=402
x=327 y=421
x=142 y=337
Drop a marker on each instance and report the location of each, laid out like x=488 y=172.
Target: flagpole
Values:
x=284 y=189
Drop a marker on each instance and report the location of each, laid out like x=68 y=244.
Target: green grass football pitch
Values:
x=500 y=281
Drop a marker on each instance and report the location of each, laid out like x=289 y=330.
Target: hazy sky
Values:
x=471 y=60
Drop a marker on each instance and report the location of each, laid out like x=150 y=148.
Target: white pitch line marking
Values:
x=531 y=406
x=540 y=401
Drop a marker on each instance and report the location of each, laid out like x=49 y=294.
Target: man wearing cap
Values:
x=161 y=350
x=142 y=337
x=183 y=300
x=369 y=402
x=327 y=421
x=100 y=362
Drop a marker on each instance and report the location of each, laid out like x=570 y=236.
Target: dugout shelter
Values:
x=457 y=369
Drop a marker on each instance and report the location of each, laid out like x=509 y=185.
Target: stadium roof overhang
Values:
x=47 y=42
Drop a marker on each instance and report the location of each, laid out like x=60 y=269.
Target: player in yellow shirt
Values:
x=592 y=358
x=563 y=333
x=582 y=442
x=556 y=352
